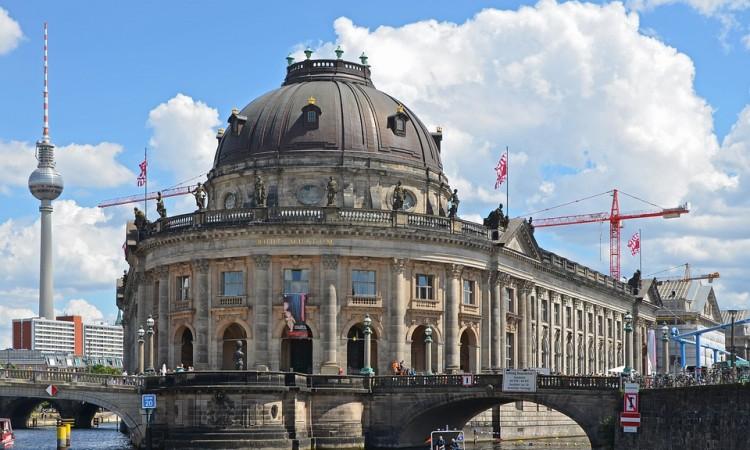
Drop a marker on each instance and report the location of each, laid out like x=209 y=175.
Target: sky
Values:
x=647 y=96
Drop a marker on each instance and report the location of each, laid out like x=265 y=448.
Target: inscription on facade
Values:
x=294 y=241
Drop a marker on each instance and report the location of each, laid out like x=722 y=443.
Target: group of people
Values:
x=440 y=444
x=399 y=368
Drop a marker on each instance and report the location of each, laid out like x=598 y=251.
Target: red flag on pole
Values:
x=501 y=170
x=142 y=177
x=634 y=244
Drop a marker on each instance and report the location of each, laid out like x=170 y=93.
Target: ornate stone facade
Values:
x=493 y=298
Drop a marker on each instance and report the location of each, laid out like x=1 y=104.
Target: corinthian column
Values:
x=263 y=305
x=398 y=311
x=330 y=315
x=498 y=321
x=202 y=326
x=524 y=312
x=452 y=343
x=163 y=329
x=486 y=323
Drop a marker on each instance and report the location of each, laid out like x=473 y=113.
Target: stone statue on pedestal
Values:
x=260 y=192
x=160 y=208
x=200 y=197
x=331 y=190
x=239 y=357
x=453 y=210
x=398 y=197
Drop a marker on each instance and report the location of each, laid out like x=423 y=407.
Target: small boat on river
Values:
x=7 y=439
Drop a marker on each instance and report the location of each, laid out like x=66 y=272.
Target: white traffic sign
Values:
x=148 y=401
x=631 y=388
x=630 y=402
x=51 y=390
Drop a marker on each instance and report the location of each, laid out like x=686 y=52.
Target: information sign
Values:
x=51 y=390
x=148 y=401
x=467 y=380
x=515 y=380
x=631 y=388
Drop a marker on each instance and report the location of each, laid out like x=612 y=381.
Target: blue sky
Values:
x=573 y=88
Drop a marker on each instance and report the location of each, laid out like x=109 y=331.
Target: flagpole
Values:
x=145 y=184
x=640 y=252
x=507 y=183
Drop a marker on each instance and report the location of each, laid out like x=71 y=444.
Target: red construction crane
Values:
x=687 y=277
x=171 y=192
x=614 y=218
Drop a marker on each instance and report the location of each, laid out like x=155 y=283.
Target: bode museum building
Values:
x=327 y=203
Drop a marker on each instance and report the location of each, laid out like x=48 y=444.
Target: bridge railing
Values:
x=336 y=382
x=496 y=380
x=220 y=378
x=576 y=382
x=60 y=376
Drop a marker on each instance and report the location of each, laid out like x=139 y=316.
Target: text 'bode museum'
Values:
x=327 y=203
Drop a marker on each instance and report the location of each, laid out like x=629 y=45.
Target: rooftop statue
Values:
x=453 y=210
x=331 y=190
x=260 y=192
x=200 y=197
x=496 y=219
x=160 y=208
x=398 y=197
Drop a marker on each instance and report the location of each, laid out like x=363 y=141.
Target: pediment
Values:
x=519 y=238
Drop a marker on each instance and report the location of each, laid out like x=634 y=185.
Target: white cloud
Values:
x=184 y=138
x=10 y=32
x=705 y=7
x=746 y=41
x=81 y=165
x=80 y=307
x=87 y=250
x=7 y=314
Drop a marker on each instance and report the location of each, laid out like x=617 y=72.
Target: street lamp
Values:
x=665 y=344
x=428 y=350
x=367 y=369
x=141 y=333
x=733 y=314
x=150 y=332
x=628 y=344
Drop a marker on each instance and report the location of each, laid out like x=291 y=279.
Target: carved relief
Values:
x=262 y=262
x=399 y=266
x=455 y=270
x=201 y=265
x=330 y=262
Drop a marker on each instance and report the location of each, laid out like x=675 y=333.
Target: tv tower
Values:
x=46 y=184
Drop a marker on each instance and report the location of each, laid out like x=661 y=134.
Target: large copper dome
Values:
x=350 y=118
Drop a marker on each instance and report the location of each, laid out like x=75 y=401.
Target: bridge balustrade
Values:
x=335 y=382
x=575 y=382
x=219 y=378
x=60 y=376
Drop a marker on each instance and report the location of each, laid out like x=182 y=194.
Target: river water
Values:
x=106 y=437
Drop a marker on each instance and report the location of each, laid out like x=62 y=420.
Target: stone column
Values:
x=401 y=295
x=523 y=336
x=486 y=323
x=563 y=335
x=139 y=313
x=528 y=290
x=539 y=327
x=605 y=323
x=498 y=321
x=330 y=315
x=163 y=329
x=586 y=369
x=637 y=347
x=576 y=339
x=201 y=302
x=263 y=306
x=452 y=296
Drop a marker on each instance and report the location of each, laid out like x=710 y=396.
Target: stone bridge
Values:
x=78 y=397
x=404 y=410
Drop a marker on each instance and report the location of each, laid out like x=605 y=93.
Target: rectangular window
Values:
x=591 y=323
x=510 y=295
x=183 y=288
x=533 y=309
x=424 y=287
x=569 y=317
x=468 y=292
x=579 y=319
x=545 y=312
x=311 y=117
x=400 y=125
x=296 y=281
x=599 y=325
x=557 y=314
x=618 y=325
x=363 y=283
x=509 y=348
x=232 y=284
x=609 y=327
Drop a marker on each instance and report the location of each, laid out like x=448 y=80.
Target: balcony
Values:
x=423 y=304
x=469 y=309
x=364 y=301
x=229 y=301
x=181 y=305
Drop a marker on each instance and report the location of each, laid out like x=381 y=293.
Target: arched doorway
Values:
x=355 y=350
x=186 y=348
x=468 y=352
x=232 y=334
x=418 y=350
x=297 y=352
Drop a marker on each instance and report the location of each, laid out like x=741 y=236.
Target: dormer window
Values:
x=311 y=114
x=397 y=122
x=237 y=122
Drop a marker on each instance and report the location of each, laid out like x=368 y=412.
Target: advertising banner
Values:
x=294 y=316
x=519 y=380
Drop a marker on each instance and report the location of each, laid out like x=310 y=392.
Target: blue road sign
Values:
x=148 y=401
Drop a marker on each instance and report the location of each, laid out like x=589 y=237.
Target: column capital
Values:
x=501 y=278
x=162 y=271
x=201 y=265
x=525 y=286
x=597 y=309
x=149 y=276
x=455 y=271
x=399 y=265
x=262 y=262
x=541 y=291
x=330 y=262
x=576 y=303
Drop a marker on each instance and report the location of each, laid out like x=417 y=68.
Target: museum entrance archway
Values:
x=186 y=348
x=468 y=352
x=418 y=350
x=355 y=350
x=232 y=334
x=297 y=352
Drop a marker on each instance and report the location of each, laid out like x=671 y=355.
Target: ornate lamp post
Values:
x=628 y=344
x=150 y=332
x=141 y=333
x=665 y=345
x=733 y=314
x=367 y=369
x=428 y=350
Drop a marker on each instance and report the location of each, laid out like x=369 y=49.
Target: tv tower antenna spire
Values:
x=46 y=184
